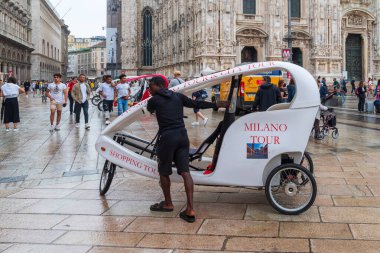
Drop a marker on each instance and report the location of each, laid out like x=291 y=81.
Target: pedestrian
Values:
x=176 y=80
x=353 y=88
x=81 y=93
x=57 y=93
x=10 y=91
x=200 y=95
x=376 y=103
x=70 y=86
x=267 y=95
x=173 y=142
x=27 y=87
x=317 y=130
x=107 y=91
x=336 y=85
x=323 y=92
x=33 y=88
x=282 y=87
x=37 y=89
x=344 y=85
x=371 y=87
x=123 y=91
x=291 y=90
x=361 y=94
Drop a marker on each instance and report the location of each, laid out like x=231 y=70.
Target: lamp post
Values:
x=290 y=30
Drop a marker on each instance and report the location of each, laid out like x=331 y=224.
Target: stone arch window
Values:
x=147 y=38
x=296 y=8
x=249 y=7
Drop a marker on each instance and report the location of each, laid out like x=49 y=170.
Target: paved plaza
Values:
x=49 y=199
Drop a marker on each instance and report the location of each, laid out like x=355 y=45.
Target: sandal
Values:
x=159 y=207
x=186 y=217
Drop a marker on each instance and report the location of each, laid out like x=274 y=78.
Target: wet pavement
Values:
x=49 y=199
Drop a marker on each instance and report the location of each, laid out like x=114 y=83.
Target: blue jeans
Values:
x=122 y=106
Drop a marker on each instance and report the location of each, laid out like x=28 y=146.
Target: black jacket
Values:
x=168 y=106
x=266 y=96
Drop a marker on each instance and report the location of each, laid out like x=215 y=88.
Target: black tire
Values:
x=95 y=100
x=106 y=178
x=237 y=111
x=325 y=131
x=100 y=106
x=280 y=174
x=335 y=133
x=306 y=159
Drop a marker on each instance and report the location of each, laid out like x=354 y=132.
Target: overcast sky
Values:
x=86 y=17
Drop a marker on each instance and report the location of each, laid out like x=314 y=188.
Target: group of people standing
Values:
x=363 y=91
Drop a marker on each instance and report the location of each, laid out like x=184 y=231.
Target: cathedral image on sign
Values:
x=329 y=36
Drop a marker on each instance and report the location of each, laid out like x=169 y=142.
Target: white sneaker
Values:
x=205 y=121
x=57 y=128
x=108 y=122
x=196 y=123
x=15 y=129
x=77 y=125
x=87 y=126
x=51 y=128
x=7 y=130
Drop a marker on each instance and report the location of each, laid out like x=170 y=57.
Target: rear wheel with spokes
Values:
x=107 y=176
x=291 y=189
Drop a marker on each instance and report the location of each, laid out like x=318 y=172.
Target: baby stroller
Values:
x=329 y=123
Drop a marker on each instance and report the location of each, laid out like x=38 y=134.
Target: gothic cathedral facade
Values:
x=329 y=36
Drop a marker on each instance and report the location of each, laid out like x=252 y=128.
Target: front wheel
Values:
x=291 y=189
x=107 y=176
x=335 y=133
x=95 y=100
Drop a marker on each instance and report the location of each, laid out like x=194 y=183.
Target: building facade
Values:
x=328 y=36
x=50 y=41
x=91 y=61
x=113 y=37
x=15 y=39
x=75 y=44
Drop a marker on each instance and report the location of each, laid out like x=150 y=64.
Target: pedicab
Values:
x=262 y=150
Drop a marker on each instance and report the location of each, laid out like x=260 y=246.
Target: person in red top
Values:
x=70 y=85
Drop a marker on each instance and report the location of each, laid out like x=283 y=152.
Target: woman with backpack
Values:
x=361 y=94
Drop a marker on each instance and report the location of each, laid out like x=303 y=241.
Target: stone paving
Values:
x=49 y=200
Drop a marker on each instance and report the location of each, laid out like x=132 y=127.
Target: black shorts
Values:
x=173 y=147
x=108 y=105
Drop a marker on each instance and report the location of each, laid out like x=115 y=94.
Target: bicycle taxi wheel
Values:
x=291 y=189
x=107 y=176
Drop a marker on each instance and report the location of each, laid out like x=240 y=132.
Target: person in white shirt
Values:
x=81 y=94
x=123 y=91
x=107 y=91
x=10 y=92
x=57 y=92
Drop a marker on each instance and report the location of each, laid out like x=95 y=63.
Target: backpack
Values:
x=204 y=94
x=357 y=92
